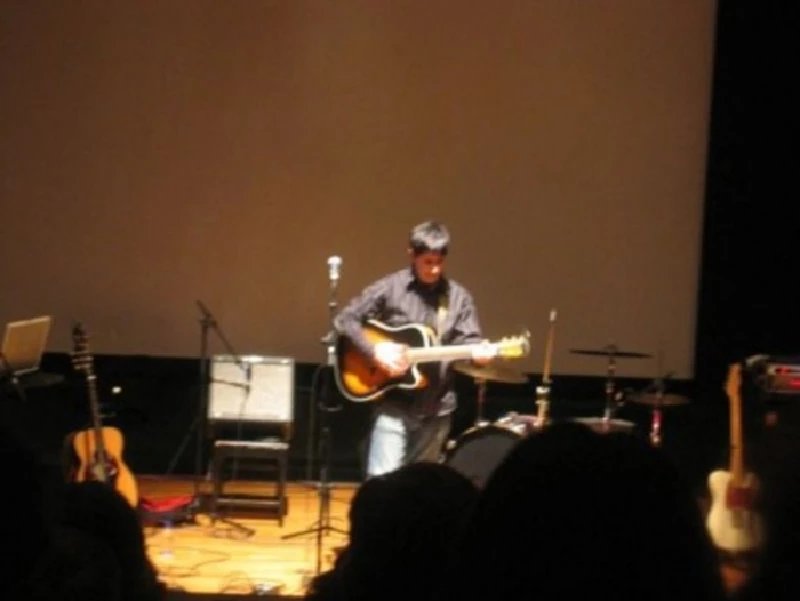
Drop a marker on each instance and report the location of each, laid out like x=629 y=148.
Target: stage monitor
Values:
x=252 y=388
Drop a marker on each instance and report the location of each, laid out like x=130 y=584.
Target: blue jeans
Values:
x=397 y=439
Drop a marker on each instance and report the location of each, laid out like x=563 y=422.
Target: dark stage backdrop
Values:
x=748 y=301
x=153 y=153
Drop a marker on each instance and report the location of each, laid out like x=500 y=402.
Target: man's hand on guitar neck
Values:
x=483 y=353
x=391 y=357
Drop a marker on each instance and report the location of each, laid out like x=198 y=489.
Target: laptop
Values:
x=24 y=343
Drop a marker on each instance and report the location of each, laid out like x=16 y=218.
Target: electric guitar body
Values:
x=361 y=379
x=733 y=524
x=99 y=448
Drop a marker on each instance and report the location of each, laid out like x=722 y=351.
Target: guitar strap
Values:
x=441 y=314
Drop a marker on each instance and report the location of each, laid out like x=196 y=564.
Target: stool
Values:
x=270 y=450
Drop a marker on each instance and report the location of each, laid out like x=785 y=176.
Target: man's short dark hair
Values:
x=429 y=236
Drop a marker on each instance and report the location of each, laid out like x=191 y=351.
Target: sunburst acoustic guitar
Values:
x=98 y=448
x=360 y=379
x=734 y=525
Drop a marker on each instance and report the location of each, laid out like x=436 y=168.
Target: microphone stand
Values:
x=198 y=425
x=323 y=525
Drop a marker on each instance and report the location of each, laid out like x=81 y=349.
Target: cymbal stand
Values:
x=543 y=390
x=611 y=394
x=479 y=421
x=655 y=425
x=658 y=387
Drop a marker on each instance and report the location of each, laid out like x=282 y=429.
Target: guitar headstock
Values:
x=514 y=347
x=733 y=382
x=81 y=357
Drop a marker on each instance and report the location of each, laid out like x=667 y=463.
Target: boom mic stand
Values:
x=207 y=323
x=323 y=524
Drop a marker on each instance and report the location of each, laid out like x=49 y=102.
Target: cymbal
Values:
x=494 y=372
x=651 y=399
x=611 y=351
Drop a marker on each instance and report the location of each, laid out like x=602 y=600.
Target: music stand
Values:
x=24 y=343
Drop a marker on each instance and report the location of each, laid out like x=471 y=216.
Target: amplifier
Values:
x=257 y=388
x=783 y=375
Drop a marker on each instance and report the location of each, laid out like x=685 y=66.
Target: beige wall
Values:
x=155 y=152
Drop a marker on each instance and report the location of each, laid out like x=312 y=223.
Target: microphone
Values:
x=334 y=264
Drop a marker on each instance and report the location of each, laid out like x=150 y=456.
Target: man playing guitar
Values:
x=412 y=424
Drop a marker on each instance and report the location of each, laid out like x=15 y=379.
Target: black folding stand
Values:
x=198 y=425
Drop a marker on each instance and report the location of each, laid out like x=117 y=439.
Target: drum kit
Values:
x=478 y=451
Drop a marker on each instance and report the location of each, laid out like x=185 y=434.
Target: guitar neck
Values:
x=440 y=353
x=94 y=406
x=737 y=448
x=733 y=390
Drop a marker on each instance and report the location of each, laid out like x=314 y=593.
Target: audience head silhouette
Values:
x=403 y=528
x=571 y=513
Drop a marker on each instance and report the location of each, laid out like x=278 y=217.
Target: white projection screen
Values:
x=160 y=152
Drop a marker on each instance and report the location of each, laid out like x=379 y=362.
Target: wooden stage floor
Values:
x=222 y=558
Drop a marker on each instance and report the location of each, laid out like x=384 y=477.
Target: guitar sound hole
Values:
x=109 y=465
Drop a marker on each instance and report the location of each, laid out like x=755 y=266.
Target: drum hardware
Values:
x=655 y=397
x=543 y=390
x=604 y=426
x=479 y=421
x=611 y=349
x=518 y=423
x=657 y=402
x=492 y=372
x=658 y=399
x=613 y=398
x=482 y=374
x=479 y=450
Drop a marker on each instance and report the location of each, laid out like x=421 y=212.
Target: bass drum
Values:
x=478 y=451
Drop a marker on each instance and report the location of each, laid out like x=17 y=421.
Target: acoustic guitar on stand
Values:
x=99 y=448
x=360 y=379
x=733 y=524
